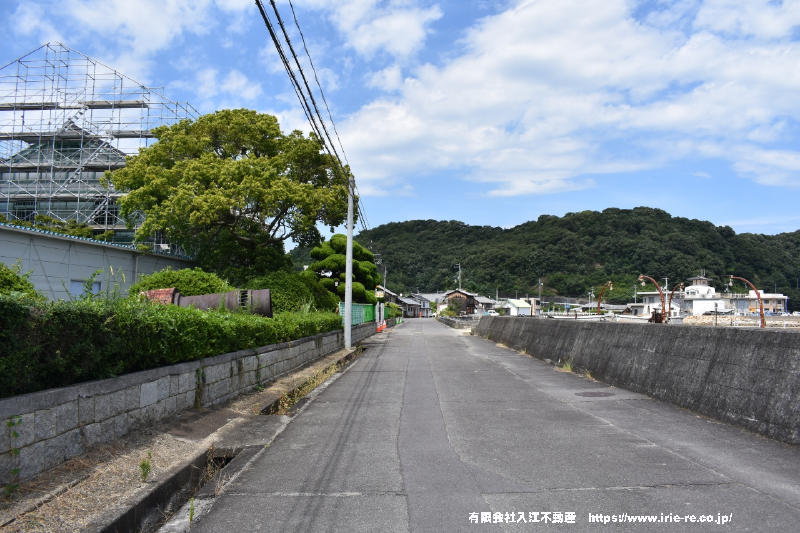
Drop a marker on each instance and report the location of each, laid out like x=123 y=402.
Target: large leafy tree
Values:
x=331 y=265
x=230 y=188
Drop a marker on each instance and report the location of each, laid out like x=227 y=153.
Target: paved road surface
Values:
x=431 y=425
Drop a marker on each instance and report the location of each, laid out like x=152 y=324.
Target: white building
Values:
x=700 y=298
x=651 y=302
x=518 y=307
x=748 y=303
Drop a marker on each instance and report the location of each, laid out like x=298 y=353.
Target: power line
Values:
x=362 y=218
x=295 y=84
x=319 y=85
x=312 y=115
x=303 y=76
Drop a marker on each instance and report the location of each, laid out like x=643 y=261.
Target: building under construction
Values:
x=65 y=119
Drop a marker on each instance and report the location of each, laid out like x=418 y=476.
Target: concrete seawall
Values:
x=749 y=377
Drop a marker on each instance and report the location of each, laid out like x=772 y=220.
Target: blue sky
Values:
x=493 y=113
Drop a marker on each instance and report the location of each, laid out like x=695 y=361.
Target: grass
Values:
x=145 y=466
x=569 y=366
x=288 y=400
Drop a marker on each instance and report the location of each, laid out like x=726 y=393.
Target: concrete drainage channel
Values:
x=189 y=492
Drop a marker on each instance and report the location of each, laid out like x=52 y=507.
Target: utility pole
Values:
x=539 y=311
x=348 y=282
x=459 y=275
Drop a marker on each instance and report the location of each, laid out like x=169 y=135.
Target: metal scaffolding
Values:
x=65 y=119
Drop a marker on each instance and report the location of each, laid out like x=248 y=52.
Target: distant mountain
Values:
x=579 y=251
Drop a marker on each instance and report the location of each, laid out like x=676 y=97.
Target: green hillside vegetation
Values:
x=581 y=251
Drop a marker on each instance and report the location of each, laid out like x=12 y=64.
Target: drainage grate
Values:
x=594 y=394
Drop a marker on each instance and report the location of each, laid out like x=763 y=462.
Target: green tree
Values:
x=330 y=266
x=231 y=188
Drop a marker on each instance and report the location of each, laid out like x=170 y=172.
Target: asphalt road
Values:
x=432 y=429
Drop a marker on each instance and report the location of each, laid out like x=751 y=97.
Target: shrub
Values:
x=392 y=310
x=324 y=300
x=60 y=343
x=11 y=281
x=288 y=290
x=189 y=281
x=17 y=324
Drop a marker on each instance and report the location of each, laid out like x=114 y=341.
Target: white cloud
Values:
x=389 y=79
x=236 y=83
x=235 y=5
x=765 y=19
x=397 y=27
x=146 y=25
x=215 y=91
x=548 y=93
x=28 y=21
x=769 y=166
x=400 y=32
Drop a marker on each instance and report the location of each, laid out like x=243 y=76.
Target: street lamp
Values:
x=760 y=303
x=642 y=279
x=669 y=302
x=602 y=290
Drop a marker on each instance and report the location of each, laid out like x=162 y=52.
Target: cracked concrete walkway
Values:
x=430 y=426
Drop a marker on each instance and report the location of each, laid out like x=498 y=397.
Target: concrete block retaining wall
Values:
x=749 y=377
x=58 y=424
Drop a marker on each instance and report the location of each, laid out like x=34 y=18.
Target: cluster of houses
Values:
x=423 y=305
x=696 y=299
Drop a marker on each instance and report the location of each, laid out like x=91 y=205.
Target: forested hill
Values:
x=579 y=251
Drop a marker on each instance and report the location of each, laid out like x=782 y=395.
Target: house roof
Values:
x=408 y=301
x=518 y=303
x=484 y=300
x=462 y=291
x=382 y=288
x=431 y=297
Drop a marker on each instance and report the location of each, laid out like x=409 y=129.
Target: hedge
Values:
x=189 y=281
x=292 y=291
x=288 y=291
x=60 y=343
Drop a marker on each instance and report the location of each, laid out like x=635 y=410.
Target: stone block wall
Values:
x=749 y=377
x=58 y=424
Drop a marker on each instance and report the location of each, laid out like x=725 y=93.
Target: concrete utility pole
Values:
x=539 y=311
x=459 y=275
x=348 y=282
